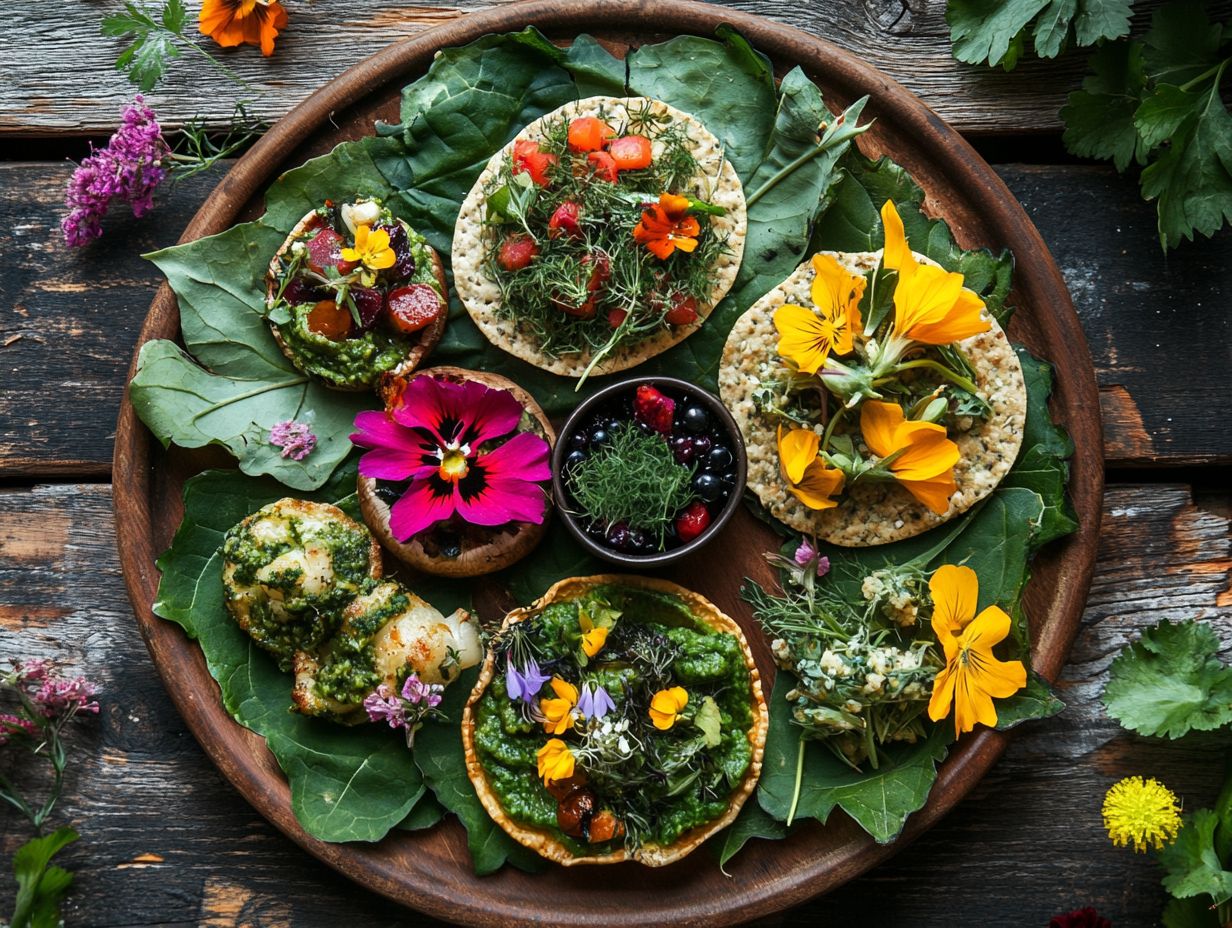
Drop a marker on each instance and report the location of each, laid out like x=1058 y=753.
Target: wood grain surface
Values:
x=166 y=841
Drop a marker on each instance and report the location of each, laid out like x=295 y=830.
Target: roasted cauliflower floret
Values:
x=290 y=568
x=386 y=635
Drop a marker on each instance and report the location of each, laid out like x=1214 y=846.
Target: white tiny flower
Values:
x=623 y=744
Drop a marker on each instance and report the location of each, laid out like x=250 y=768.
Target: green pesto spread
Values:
x=657 y=783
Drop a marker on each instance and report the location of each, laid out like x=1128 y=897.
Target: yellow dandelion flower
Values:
x=1142 y=812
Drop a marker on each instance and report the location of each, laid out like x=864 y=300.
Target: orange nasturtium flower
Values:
x=666 y=706
x=558 y=713
x=555 y=761
x=665 y=227
x=925 y=457
x=807 y=336
x=972 y=676
x=594 y=637
x=808 y=478
x=243 y=22
x=931 y=306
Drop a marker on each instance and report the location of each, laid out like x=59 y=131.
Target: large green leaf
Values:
x=1191 y=865
x=752 y=822
x=347 y=784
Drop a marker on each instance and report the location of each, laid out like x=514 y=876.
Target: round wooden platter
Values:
x=431 y=870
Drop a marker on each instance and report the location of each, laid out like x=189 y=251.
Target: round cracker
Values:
x=873 y=513
x=472 y=239
x=544 y=842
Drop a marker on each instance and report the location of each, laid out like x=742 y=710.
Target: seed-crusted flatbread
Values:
x=544 y=842
x=873 y=513
x=481 y=295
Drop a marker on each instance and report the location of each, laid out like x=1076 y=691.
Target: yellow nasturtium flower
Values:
x=931 y=305
x=558 y=713
x=666 y=706
x=972 y=676
x=808 y=478
x=594 y=637
x=808 y=336
x=555 y=761
x=925 y=460
x=371 y=249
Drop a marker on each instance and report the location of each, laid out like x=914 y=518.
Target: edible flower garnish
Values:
x=294 y=438
x=972 y=676
x=665 y=226
x=555 y=761
x=917 y=454
x=243 y=22
x=666 y=706
x=526 y=683
x=594 y=702
x=418 y=701
x=807 y=476
x=808 y=336
x=1141 y=812
x=433 y=439
x=594 y=637
x=372 y=251
x=558 y=713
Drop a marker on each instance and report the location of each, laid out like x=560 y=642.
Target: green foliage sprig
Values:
x=157 y=37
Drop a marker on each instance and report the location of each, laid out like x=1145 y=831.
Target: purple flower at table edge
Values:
x=526 y=683
x=128 y=169
x=294 y=438
x=418 y=701
x=594 y=701
x=433 y=440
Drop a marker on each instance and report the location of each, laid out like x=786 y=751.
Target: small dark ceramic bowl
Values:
x=612 y=395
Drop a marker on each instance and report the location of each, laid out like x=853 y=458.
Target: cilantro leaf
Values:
x=1170 y=682
x=1191 y=863
x=1182 y=43
x=983 y=30
x=153 y=46
x=1099 y=118
x=994 y=31
x=40 y=888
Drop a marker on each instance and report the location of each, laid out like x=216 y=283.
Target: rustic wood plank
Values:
x=907 y=40
x=68 y=319
x=167 y=841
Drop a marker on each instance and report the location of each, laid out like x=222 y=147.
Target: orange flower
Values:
x=808 y=478
x=559 y=713
x=555 y=761
x=665 y=227
x=972 y=676
x=807 y=336
x=243 y=22
x=924 y=457
x=666 y=706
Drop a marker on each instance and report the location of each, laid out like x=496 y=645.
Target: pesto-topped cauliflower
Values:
x=290 y=568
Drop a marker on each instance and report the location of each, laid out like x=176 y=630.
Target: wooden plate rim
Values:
x=1038 y=283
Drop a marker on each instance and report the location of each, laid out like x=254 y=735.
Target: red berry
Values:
x=616 y=317
x=413 y=307
x=516 y=252
x=565 y=221
x=692 y=521
x=683 y=311
x=325 y=250
x=653 y=408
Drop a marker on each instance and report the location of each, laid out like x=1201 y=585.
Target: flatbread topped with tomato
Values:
x=602 y=235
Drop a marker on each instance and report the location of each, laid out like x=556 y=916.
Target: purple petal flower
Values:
x=594 y=701
x=56 y=697
x=805 y=553
x=32 y=671
x=294 y=438
x=524 y=684
x=416 y=692
x=12 y=725
x=823 y=566
x=383 y=705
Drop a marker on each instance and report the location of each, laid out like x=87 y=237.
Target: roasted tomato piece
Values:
x=604 y=827
x=559 y=789
x=604 y=165
x=413 y=307
x=325 y=250
x=588 y=133
x=575 y=810
x=368 y=303
x=630 y=152
x=516 y=252
x=565 y=220
x=616 y=317
x=601 y=270
x=527 y=157
x=330 y=320
x=683 y=310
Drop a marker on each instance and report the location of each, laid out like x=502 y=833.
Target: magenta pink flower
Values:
x=446 y=440
x=294 y=438
x=62 y=697
x=12 y=725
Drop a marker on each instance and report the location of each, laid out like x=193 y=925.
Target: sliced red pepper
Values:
x=565 y=220
x=683 y=311
x=631 y=152
x=330 y=320
x=516 y=252
x=527 y=157
x=588 y=133
x=604 y=165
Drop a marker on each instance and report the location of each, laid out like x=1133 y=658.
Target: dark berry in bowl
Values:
x=719 y=460
x=695 y=419
x=708 y=487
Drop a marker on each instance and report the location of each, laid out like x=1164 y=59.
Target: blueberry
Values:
x=707 y=487
x=682 y=448
x=615 y=425
x=696 y=419
x=618 y=536
x=597 y=530
x=573 y=459
x=599 y=436
x=640 y=542
x=702 y=445
x=719 y=459
x=728 y=480
x=578 y=441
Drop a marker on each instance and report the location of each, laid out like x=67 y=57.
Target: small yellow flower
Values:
x=371 y=249
x=926 y=457
x=555 y=761
x=594 y=637
x=931 y=306
x=558 y=713
x=1141 y=812
x=972 y=676
x=808 y=336
x=808 y=478
x=666 y=706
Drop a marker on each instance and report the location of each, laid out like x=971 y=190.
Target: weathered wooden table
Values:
x=166 y=840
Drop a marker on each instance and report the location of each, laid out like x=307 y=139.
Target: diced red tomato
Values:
x=329 y=319
x=516 y=252
x=630 y=152
x=683 y=311
x=604 y=165
x=588 y=133
x=325 y=250
x=616 y=317
x=565 y=220
x=413 y=307
x=527 y=157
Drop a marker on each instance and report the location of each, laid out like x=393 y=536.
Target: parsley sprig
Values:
x=157 y=39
